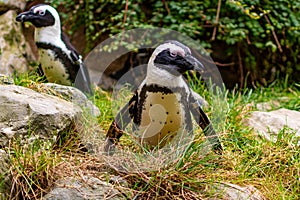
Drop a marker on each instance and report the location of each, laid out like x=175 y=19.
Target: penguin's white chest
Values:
x=53 y=69
x=162 y=118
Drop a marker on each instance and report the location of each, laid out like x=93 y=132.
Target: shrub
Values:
x=256 y=40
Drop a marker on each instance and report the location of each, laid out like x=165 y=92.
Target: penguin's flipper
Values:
x=204 y=122
x=83 y=81
x=122 y=119
x=40 y=73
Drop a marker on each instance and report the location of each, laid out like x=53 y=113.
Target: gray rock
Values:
x=24 y=110
x=230 y=191
x=269 y=124
x=90 y=132
x=267 y=106
x=119 y=180
x=5 y=178
x=6 y=5
x=73 y=95
x=4 y=8
x=270 y=105
x=6 y=80
x=14 y=51
x=82 y=189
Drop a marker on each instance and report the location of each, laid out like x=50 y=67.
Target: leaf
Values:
x=272 y=45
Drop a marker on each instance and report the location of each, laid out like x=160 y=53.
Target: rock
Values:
x=230 y=191
x=266 y=106
x=269 y=124
x=119 y=180
x=14 y=51
x=73 y=95
x=18 y=4
x=5 y=178
x=4 y=8
x=78 y=189
x=270 y=105
x=6 y=5
x=6 y=80
x=91 y=133
x=24 y=110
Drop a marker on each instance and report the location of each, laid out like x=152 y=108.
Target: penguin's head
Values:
x=40 y=16
x=174 y=58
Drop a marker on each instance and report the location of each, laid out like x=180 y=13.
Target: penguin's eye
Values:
x=41 y=12
x=173 y=54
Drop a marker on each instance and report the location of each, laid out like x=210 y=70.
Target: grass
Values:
x=272 y=168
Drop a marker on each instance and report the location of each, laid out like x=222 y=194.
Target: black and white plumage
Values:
x=163 y=103
x=59 y=60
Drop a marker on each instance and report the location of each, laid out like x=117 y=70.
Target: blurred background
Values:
x=251 y=42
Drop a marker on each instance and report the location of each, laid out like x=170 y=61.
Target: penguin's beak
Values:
x=24 y=17
x=196 y=64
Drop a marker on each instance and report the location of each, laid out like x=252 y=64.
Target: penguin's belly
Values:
x=162 y=118
x=53 y=69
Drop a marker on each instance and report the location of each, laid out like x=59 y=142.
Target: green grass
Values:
x=248 y=159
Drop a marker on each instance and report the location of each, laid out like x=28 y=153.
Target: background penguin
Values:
x=162 y=104
x=59 y=60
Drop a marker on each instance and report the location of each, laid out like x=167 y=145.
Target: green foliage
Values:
x=266 y=34
x=28 y=79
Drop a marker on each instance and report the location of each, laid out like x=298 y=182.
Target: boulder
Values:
x=6 y=5
x=269 y=124
x=83 y=189
x=269 y=105
x=230 y=191
x=6 y=80
x=14 y=51
x=73 y=95
x=26 y=111
x=5 y=178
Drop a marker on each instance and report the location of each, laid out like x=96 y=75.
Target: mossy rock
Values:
x=6 y=80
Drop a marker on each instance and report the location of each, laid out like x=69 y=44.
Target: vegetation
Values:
x=258 y=39
x=248 y=159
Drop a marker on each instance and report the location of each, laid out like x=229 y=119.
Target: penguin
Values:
x=162 y=105
x=59 y=60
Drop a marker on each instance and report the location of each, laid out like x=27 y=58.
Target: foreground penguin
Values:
x=59 y=60
x=161 y=106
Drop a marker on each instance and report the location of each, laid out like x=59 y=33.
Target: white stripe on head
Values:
x=172 y=47
x=44 y=8
x=50 y=34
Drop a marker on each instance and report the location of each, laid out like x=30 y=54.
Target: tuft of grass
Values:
x=31 y=169
x=28 y=79
x=102 y=99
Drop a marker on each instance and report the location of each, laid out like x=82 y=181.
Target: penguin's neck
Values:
x=50 y=35
x=160 y=77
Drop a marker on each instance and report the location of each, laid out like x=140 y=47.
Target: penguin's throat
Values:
x=48 y=35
